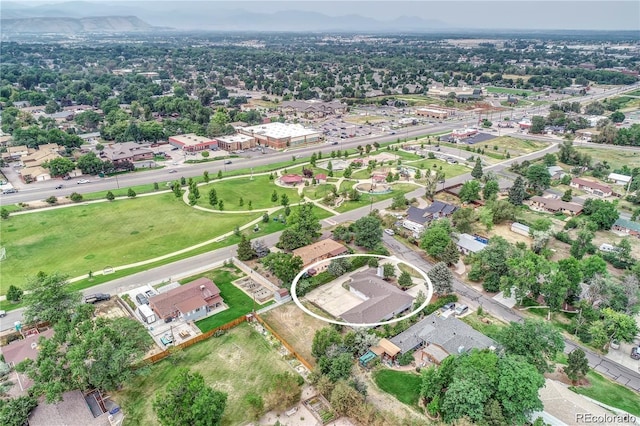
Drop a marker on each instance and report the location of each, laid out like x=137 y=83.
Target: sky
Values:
x=512 y=14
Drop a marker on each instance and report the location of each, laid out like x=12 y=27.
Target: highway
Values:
x=41 y=190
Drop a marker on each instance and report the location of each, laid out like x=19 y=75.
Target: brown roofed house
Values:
x=190 y=301
x=592 y=187
x=321 y=250
x=555 y=205
x=382 y=301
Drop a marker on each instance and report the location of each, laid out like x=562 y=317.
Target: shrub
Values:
x=564 y=237
x=75 y=197
x=52 y=200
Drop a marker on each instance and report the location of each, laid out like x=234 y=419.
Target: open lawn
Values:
x=318 y=191
x=610 y=393
x=85 y=238
x=239 y=303
x=295 y=326
x=366 y=199
x=450 y=170
x=404 y=386
x=615 y=158
x=509 y=91
x=366 y=119
x=239 y=362
x=490 y=328
x=258 y=191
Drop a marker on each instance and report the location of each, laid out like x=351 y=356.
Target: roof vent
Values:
x=202 y=287
x=460 y=349
x=34 y=345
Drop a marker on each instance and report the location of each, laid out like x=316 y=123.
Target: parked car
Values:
x=59 y=187
x=227 y=162
x=142 y=299
x=95 y=298
x=389 y=232
x=81 y=181
x=635 y=352
x=461 y=310
x=3 y=314
x=448 y=306
x=173 y=171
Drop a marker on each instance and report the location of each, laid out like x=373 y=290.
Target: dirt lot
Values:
x=296 y=327
x=111 y=309
x=505 y=232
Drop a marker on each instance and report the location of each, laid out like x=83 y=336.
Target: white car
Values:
x=389 y=232
x=81 y=181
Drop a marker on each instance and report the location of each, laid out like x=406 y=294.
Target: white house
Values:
x=619 y=179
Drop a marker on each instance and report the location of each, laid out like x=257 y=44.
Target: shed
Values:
x=520 y=228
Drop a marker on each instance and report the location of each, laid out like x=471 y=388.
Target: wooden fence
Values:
x=284 y=343
x=199 y=338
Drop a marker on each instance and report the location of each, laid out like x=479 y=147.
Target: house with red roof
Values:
x=292 y=180
x=321 y=178
x=592 y=187
x=191 y=301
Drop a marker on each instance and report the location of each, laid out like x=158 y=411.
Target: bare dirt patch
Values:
x=505 y=232
x=296 y=327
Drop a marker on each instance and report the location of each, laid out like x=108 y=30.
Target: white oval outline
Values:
x=427 y=280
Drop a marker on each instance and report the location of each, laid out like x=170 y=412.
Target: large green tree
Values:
x=470 y=191
x=187 y=400
x=367 y=232
x=538 y=177
x=602 y=213
x=535 y=340
x=476 y=173
x=59 y=166
x=49 y=299
x=284 y=266
x=577 y=365
x=436 y=238
x=245 y=250
x=441 y=278
x=518 y=192
x=518 y=386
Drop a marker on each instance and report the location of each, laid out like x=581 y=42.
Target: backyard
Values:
x=94 y=236
x=405 y=386
x=238 y=302
x=238 y=363
x=296 y=327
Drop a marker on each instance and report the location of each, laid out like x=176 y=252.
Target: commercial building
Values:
x=126 y=151
x=236 y=142
x=435 y=112
x=193 y=143
x=281 y=135
x=313 y=108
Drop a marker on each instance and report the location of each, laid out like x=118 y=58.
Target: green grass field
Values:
x=85 y=238
x=508 y=90
x=403 y=385
x=365 y=199
x=258 y=191
x=239 y=362
x=610 y=393
x=450 y=170
x=615 y=158
x=239 y=303
x=318 y=191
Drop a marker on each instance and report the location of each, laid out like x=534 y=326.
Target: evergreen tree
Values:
x=274 y=196
x=131 y=193
x=577 y=365
x=517 y=193
x=450 y=255
x=220 y=204
x=405 y=279
x=205 y=176
x=110 y=196
x=213 y=197
x=245 y=251
x=477 y=169
x=441 y=278
x=219 y=174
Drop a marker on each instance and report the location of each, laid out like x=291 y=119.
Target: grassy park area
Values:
x=258 y=191
x=85 y=238
x=509 y=91
x=405 y=386
x=367 y=199
x=238 y=363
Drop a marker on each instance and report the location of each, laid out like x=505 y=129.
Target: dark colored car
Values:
x=142 y=299
x=59 y=187
x=635 y=352
x=10 y=191
x=448 y=306
x=98 y=297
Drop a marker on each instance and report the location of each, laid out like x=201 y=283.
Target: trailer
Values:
x=147 y=314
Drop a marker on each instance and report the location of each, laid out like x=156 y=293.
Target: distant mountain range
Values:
x=74 y=25
x=213 y=16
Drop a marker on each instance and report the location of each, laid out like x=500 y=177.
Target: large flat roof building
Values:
x=192 y=142
x=236 y=142
x=281 y=135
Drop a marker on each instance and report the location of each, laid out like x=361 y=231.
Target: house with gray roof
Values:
x=417 y=218
x=381 y=300
x=628 y=227
x=440 y=336
x=468 y=244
